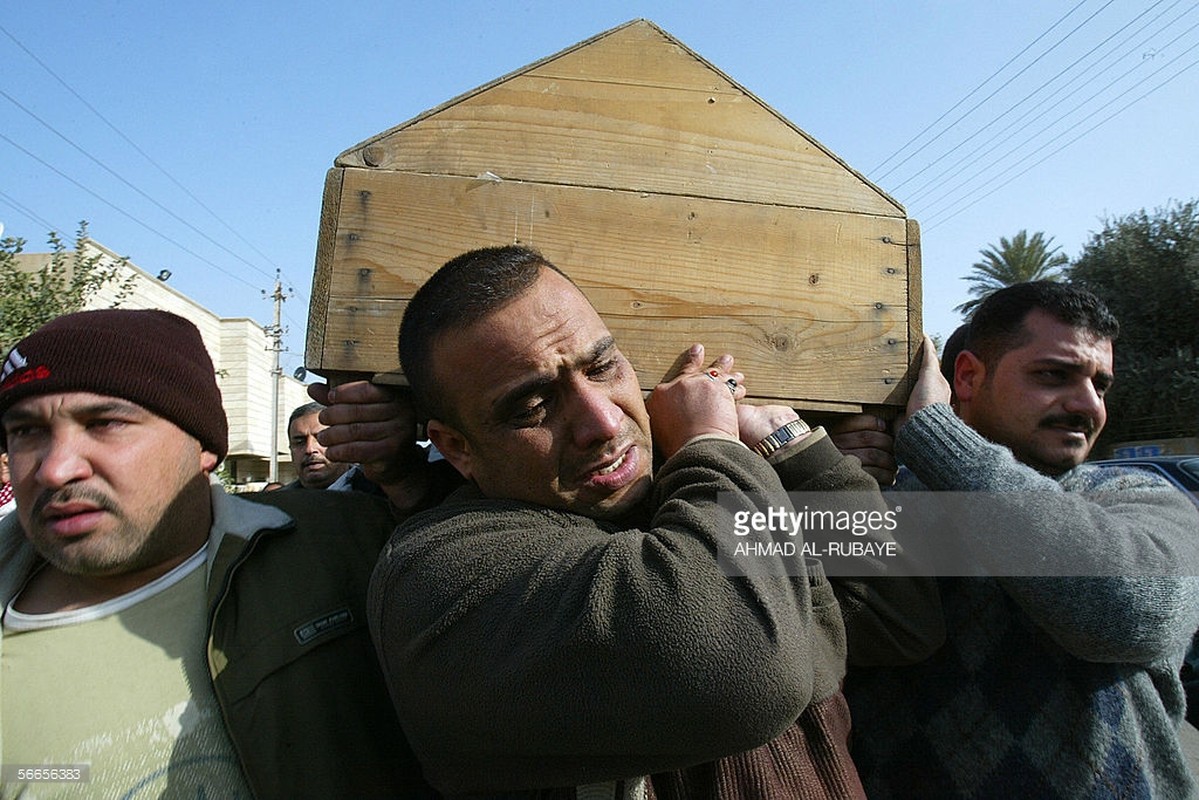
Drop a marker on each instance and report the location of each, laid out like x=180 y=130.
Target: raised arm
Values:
x=375 y=427
x=528 y=647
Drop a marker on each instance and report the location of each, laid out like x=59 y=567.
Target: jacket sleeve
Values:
x=892 y=615
x=1127 y=540
x=529 y=648
x=302 y=696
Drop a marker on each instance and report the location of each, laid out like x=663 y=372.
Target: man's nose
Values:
x=596 y=418
x=63 y=461
x=1085 y=399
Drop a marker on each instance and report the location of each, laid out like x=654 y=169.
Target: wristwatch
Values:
x=792 y=430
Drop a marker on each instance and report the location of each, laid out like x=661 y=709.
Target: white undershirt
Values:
x=18 y=621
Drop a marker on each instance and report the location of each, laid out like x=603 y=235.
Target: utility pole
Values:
x=275 y=335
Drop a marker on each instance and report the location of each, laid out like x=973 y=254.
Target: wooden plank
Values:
x=835 y=363
x=318 y=311
x=814 y=304
x=624 y=239
x=915 y=312
x=632 y=110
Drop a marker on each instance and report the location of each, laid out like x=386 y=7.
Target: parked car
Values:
x=1182 y=471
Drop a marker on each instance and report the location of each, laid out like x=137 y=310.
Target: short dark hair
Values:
x=303 y=411
x=463 y=291
x=997 y=325
x=954 y=345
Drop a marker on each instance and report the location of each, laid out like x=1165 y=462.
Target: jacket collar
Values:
x=239 y=518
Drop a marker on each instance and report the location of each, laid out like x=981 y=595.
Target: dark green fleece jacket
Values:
x=527 y=648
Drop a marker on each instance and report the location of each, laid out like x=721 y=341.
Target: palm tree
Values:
x=1020 y=260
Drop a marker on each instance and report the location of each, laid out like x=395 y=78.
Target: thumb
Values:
x=690 y=360
x=319 y=392
x=931 y=387
x=929 y=361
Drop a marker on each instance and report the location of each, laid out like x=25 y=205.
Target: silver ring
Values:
x=732 y=384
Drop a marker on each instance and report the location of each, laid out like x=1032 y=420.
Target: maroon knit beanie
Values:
x=152 y=358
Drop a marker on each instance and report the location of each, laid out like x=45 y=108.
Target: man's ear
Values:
x=451 y=444
x=969 y=372
x=208 y=462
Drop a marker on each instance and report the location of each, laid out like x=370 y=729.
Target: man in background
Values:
x=1060 y=674
x=313 y=468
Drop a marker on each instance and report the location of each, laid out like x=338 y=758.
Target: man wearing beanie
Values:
x=159 y=636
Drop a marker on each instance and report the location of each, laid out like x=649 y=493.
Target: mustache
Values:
x=72 y=494
x=1081 y=422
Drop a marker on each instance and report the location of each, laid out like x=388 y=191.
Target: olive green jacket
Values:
x=291 y=661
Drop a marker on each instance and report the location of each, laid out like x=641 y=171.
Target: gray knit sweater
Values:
x=1046 y=687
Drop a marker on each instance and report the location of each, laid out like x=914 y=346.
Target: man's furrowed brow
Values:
x=19 y=416
x=97 y=408
x=601 y=348
x=511 y=399
x=1069 y=364
x=39 y=415
x=114 y=405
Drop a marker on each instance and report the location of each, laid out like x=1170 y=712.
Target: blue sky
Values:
x=980 y=118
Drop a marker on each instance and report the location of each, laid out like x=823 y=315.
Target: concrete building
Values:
x=241 y=352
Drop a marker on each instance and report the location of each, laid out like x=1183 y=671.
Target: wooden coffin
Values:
x=684 y=207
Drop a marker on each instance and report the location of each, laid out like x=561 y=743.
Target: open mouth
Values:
x=615 y=465
x=615 y=474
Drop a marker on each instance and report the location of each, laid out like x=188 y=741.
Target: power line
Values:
x=150 y=160
x=945 y=196
x=937 y=181
x=1047 y=156
x=996 y=91
x=134 y=145
x=129 y=184
x=125 y=213
x=1027 y=140
x=21 y=209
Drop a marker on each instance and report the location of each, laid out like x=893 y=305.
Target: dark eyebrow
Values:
x=601 y=348
x=1059 y=363
x=509 y=399
x=113 y=406
x=1105 y=379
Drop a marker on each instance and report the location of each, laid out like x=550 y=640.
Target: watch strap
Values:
x=792 y=430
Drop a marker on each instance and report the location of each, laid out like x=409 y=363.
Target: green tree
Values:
x=30 y=299
x=1145 y=266
x=1020 y=260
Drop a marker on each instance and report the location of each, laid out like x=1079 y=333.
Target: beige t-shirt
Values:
x=122 y=687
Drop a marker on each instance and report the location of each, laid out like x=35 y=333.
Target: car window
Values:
x=1151 y=467
x=1190 y=467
